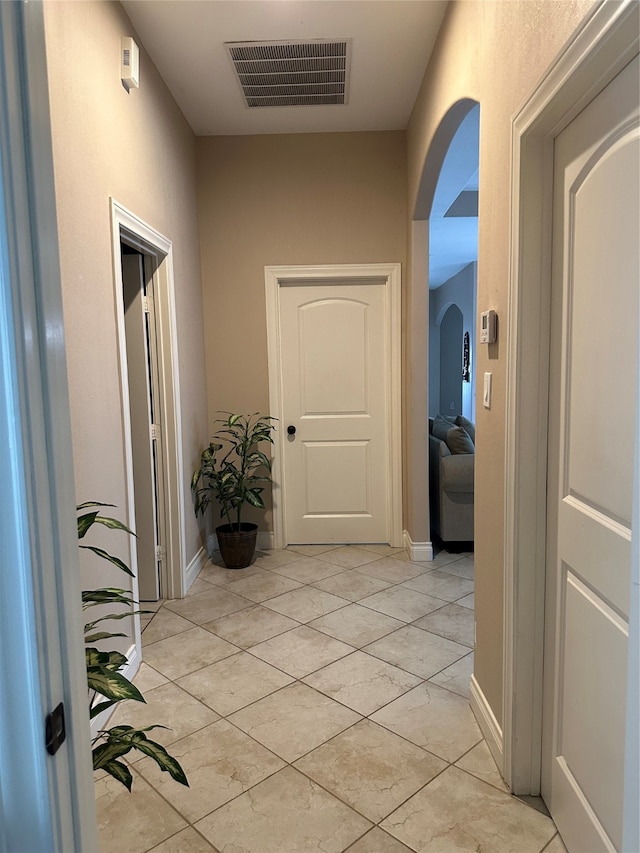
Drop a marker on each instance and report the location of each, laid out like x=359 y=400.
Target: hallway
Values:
x=317 y=701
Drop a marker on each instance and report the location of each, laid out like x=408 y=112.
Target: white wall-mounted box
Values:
x=129 y=63
x=488 y=327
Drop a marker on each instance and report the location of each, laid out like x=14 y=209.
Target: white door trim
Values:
x=390 y=274
x=602 y=46
x=151 y=242
x=46 y=802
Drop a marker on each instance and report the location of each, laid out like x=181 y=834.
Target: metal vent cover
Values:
x=292 y=73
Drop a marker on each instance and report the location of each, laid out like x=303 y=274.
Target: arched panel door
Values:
x=335 y=396
x=594 y=363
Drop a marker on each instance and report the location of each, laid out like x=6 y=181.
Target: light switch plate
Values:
x=486 y=396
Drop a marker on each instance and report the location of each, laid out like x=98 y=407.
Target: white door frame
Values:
x=603 y=45
x=46 y=802
x=390 y=275
x=150 y=242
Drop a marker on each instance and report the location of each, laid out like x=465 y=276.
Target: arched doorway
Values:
x=449 y=199
x=431 y=204
x=453 y=255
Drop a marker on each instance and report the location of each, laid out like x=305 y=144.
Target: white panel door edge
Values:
x=600 y=48
x=594 y=344
x=388 y=275
x=46 y=801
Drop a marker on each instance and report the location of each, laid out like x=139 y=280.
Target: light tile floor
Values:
x=318 y=701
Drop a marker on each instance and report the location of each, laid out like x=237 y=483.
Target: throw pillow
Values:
x=468 y=426
x=441 y=427
x=459 y=441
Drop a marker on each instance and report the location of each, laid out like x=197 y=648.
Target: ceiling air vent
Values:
x=292 y=73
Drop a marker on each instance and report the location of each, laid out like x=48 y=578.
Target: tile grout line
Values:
x=291 y=764
x=318 y=746
x=298 y=680
x=362 y=649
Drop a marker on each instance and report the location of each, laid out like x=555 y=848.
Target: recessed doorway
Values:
x=145 y=418
x=145 y=314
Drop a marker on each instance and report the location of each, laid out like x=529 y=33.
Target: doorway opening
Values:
x=145 y=314
x=145 y=418
x=453 y=254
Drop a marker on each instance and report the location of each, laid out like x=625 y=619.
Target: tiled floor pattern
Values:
x=318 y=701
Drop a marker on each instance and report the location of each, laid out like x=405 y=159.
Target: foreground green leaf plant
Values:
x=107 y=685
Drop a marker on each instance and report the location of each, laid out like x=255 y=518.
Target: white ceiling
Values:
x=392 y=43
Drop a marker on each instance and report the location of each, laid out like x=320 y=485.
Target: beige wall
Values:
x=139 y=149
x=266 y=200
x=493 y=52
x=286 y=199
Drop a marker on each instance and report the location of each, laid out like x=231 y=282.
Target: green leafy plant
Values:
x=107 y=684
x=232 y=468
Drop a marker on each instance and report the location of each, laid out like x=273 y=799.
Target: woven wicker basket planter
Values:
x=237 y=546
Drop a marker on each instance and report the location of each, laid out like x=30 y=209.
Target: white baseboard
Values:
x=489 y=726
x=193 y=569
x=266 y=541
x=419 y=552
x=212 y=544
x=134 y=660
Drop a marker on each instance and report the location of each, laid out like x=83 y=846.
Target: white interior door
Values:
x=335 y=352
x=594 y=362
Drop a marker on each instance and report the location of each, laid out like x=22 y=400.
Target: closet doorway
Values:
x=145 y=417
x=147 y=343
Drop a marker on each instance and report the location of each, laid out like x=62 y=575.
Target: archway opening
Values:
x=418 y=344
x=445 y=256
x=453 y=255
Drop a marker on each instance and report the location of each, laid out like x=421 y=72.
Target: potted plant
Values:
x=232 y=472
x=107 y=684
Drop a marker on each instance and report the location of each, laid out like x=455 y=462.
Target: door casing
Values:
x=390 y=274
x=604 y=44
x=128 y=227
x=47 y=801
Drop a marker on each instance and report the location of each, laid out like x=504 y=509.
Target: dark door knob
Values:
x=291 y=430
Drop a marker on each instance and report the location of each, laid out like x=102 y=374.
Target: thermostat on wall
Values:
x=488 y=327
